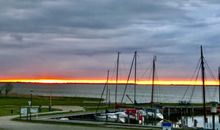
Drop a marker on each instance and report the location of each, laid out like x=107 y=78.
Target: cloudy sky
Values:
x=77 y=39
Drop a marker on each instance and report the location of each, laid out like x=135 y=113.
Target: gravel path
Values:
x=7 y=124
x=69 y=108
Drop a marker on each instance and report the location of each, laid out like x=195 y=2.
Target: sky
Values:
x=79 y=39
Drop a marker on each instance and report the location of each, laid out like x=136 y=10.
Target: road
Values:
x=7 y=124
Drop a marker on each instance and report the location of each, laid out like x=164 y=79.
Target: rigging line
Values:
x=215 y=93
x=211 y=74
x=149 y=68
x=145 y=72
x=213 y=77
x=129 y=75
x=107 y=88
x=191 y=94
x=123 y=68
x=142 y=72
x=190 y=99
x=157 y=87
x=210 y=70
x=112 y=77
x=198 y=65
x=100 y=100
x=149 y=77
x=197 y=76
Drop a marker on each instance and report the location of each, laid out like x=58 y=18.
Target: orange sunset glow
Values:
x=101 y=81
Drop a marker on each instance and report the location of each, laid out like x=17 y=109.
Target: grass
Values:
x=10 y=105
x=14 y=102
x=15 y=110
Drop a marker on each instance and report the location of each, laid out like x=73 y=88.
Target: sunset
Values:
x=99 y=81
x=109 y=64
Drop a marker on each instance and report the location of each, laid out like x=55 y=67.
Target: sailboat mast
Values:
x=103 y=92
x=219 y=82
x=135 y=75
x=107 y=88
x=153 y=78
x=116 y=85
x=203 y=84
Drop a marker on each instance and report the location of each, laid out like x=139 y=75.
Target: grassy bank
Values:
x=10 y=105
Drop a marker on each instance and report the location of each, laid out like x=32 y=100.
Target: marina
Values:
x=183 y=114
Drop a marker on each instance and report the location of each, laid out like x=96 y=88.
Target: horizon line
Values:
x=101 y=81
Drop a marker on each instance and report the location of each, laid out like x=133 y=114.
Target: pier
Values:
x=178 y=111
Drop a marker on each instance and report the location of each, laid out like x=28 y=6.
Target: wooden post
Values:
x=218 y=118
x=147 y=117
x=109 y=98
x=192 y=111
x=106 y=119
x=168 y=113
x=213 y=121
x=117 y=118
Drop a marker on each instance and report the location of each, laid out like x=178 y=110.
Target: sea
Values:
x=163 y=94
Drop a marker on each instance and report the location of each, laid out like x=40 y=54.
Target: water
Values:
x=164 y=94
x=189 y=121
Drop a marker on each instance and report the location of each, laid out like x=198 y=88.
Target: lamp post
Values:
x=213 y=111
x=30 y=103
x=50 y=101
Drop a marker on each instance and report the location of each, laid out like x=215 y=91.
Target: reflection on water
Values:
x=198 y=121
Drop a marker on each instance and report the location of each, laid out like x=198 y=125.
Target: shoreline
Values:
x=162 y=85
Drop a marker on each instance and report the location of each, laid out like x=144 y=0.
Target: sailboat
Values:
x=130 y=115
x=154 y=112
x=107 y=115
x=147 y=112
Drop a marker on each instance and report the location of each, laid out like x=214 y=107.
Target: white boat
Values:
x=151 y=113
x=142 y=112
x=112 y=117
x=158 y=115
x=64 y=119
x=121 y=116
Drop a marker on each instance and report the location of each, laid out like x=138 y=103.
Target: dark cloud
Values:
x=71 y=37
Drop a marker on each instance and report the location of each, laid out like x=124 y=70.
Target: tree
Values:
x=1 y=89
x=7 y=87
